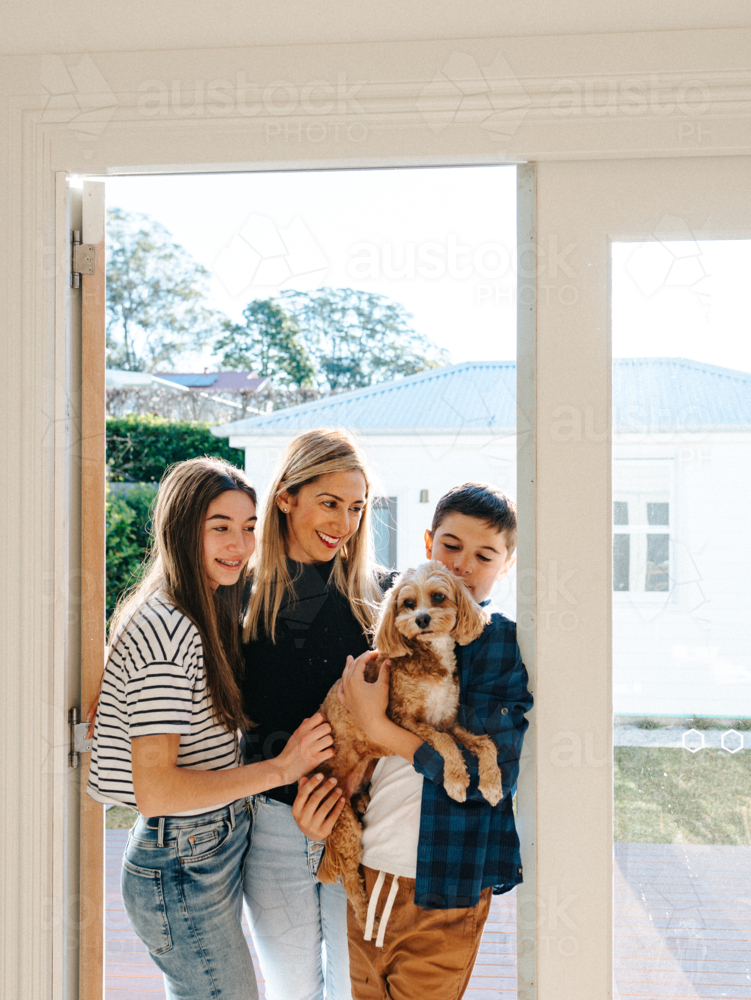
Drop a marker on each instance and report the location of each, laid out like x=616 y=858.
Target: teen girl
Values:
x=315 y=590
x=165 y=737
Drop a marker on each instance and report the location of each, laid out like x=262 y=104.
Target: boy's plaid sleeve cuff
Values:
x=429 y=763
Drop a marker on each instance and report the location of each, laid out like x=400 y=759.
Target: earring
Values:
x=284 y=510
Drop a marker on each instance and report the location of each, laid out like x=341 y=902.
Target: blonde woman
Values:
x=165 y=740
x=315 y=589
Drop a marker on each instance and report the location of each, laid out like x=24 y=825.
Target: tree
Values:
x=357 y=338
x=268 y=344
x=156 y=307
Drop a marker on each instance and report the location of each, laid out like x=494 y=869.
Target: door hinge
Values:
x=78 y=742
x=82 y=258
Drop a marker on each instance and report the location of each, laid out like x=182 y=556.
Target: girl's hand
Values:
x=318 y=806
x=366 y=702
x=308 y=747
x=91 y=716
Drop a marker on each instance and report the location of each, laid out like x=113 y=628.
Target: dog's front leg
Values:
x=455 y=776
x=490 y=784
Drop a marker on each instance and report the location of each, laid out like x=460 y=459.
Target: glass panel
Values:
x=682 y=642
x=658 y=513
x=621 y=561
x=620 y=512
x=384 y=531
x=657 y=562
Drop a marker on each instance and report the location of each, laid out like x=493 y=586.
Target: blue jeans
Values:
x=291 y=914
x=182 y=889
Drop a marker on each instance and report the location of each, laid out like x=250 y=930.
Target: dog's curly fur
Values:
x=426 y=611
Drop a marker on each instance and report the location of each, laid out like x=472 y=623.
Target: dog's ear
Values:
x=388 y=640
x=471 y=619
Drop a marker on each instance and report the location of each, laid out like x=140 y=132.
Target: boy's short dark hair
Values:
x=483 y=501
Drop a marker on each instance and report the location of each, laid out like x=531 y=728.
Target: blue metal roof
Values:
x=481 y=396
x=478 y=394
x=189 y=379
x=678 y=393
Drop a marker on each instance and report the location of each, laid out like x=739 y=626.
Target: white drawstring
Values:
x=387 y=912
x=372 y=905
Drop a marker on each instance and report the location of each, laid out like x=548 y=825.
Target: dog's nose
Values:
x=422 y=621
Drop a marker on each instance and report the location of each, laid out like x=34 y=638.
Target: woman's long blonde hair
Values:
x=175 y=567
x=311 y=454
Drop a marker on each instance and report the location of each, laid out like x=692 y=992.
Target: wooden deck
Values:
x=682 y=929
x=682 y=921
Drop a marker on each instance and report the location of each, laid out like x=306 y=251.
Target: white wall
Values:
x=688 y=652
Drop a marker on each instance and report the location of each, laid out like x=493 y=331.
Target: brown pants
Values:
x=426 y=954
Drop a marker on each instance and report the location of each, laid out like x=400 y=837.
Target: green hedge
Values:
x=140 y=448
x=128 y=533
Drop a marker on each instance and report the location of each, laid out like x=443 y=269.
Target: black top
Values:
x=286 y=682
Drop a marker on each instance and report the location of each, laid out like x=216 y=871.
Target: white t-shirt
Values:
x=391 y=824
x=155 y=683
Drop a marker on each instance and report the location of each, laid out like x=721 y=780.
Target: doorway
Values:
x=438 y=243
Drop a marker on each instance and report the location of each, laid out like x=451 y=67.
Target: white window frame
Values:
x=646 y=597
x=391 y=504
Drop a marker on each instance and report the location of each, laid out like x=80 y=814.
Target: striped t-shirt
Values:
x=155 y=683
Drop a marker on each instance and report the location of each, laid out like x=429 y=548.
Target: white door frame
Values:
x=585 y=207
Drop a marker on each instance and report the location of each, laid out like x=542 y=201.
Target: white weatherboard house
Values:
x=681 y=482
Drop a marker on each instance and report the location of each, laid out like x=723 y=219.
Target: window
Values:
x=384 y=531
x=641 y=526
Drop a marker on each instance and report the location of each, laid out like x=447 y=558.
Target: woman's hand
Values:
x=366 y=702
x=308 y=747
x=317 y=806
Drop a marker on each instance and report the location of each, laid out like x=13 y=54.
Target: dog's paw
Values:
x=360 y=802
x=456 y=784
x=491 y=788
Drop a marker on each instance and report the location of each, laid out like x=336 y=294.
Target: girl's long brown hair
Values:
x=175 y=567
x=312 y=454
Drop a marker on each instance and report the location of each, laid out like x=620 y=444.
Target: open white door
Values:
x=93 y=445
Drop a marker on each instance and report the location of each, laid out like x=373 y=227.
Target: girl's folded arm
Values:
x=162 y=787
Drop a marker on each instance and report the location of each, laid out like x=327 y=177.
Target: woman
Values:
x=165 y=739
x=314 y=593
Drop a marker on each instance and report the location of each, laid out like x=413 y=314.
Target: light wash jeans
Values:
x=291 y=914
x=182 y=889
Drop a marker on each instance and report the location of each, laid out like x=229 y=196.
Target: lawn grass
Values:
x=662 y=796
x=671 y=796
x=119 y=818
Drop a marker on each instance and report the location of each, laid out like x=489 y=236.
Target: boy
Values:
x=431 y=863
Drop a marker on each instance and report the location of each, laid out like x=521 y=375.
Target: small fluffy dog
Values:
x=426 y=611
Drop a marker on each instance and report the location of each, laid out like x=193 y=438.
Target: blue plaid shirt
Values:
x=466 y=846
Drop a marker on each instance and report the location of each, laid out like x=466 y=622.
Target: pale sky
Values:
x=440 y=241
x=446 y=214
x=683 y=299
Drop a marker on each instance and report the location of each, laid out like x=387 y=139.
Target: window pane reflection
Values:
x=681 y=653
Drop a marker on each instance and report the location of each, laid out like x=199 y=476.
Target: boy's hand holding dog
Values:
x=367 y=703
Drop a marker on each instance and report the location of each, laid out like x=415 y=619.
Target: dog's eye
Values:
x=438 y=598
x=409 y=605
